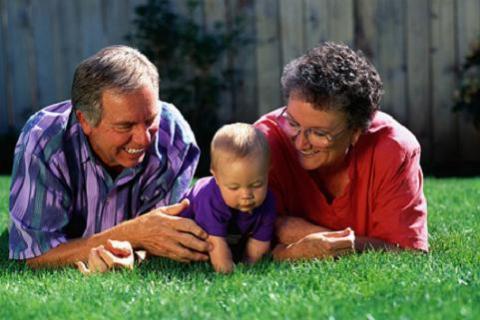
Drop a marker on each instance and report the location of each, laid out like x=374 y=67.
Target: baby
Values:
x=236 y=195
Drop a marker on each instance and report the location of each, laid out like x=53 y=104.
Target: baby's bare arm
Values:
x=255 y=250
x=220 y=255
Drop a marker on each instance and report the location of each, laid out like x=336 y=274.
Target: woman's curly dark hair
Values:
x=334 y=77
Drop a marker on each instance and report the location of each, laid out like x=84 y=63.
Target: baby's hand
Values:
x=255 y=250
x=220 y=255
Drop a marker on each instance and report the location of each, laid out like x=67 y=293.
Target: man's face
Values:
x=127 y=127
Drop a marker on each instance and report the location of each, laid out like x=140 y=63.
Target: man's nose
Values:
x=142 y=136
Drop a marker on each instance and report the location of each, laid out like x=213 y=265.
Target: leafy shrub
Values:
x=188 y=57
x=467 y=96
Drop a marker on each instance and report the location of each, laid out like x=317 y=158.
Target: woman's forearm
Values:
x=291 y=229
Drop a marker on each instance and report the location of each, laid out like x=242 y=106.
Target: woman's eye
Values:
x=319 y=133
x=292 y=124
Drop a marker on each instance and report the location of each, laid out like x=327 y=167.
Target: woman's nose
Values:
x=301 y=141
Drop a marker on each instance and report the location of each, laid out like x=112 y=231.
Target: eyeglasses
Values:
x=314 y=136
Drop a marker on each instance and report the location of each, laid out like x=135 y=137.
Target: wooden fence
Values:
x=417 y=46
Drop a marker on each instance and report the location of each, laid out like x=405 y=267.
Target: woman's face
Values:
x=332 y=123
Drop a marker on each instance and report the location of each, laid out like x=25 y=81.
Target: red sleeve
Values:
x=399 y=213
x=274 y=182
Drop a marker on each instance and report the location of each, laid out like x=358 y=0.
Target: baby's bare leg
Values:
x=220 y=255
x=255 y=249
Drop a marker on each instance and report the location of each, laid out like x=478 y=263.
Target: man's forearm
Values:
x=291 y=229
x=78 y=249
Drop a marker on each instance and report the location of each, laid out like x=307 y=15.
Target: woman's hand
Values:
x=318 y=245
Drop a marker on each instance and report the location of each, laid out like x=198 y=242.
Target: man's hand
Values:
x=115 y=254
x=162 y=233
x=318 y=245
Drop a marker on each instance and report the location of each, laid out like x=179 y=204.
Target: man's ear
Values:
x=86 y=127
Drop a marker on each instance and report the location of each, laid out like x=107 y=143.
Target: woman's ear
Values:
x=355 y=136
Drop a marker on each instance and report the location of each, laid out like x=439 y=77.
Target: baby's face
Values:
x=242 y=182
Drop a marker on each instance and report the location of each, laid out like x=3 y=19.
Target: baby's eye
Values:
x=257 y=185
x=233 y=188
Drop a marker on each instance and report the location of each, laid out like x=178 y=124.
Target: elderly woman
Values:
x=346 y=175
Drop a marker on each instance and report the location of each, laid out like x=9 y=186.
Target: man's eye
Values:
x=125 y=127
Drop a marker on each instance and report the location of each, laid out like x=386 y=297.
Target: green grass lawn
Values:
x=443 y=284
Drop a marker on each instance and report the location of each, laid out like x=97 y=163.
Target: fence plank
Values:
x=245 y=88
x=216 y=14
x=91 y=26
x=20 y=52
x=316 y=23
x=269 y=61
x=44 y=35
x=4 y=113
x=71 y=45
x=443 y=80
x=468 y=32
x=291 y=29
x=341 y=21
x=391 y=56
x=418 y=75
x=116 y=21
x=366 y=39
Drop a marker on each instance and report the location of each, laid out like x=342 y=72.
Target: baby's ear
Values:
x=212 y=172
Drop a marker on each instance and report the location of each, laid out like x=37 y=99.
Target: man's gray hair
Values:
x=120 y=68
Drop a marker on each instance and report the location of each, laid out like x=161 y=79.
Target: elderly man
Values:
x=104 y=166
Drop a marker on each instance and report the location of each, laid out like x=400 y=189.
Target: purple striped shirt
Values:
x=60 y=191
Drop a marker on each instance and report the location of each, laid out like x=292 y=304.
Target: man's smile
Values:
x=134 y=151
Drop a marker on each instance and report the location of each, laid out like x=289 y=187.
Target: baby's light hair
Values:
x=239 y=140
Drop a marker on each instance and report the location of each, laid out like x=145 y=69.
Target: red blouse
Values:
x=384 y=198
